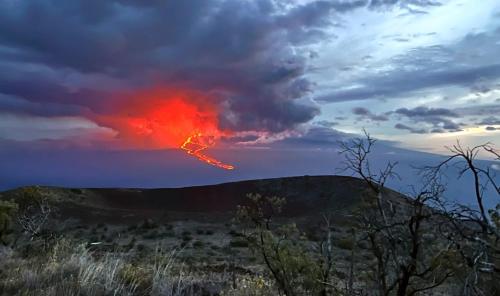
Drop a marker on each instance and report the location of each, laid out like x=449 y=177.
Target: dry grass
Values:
x=70 y=269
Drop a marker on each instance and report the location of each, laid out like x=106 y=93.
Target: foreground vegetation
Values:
x=69 y=269
x=389 y=244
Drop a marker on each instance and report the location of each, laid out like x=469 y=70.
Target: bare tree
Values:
x=356 y=152
x=465 y=159
x=325 y=250
x=407 y=261
x=475 y=233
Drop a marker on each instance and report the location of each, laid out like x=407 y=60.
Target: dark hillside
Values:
x=306 y=195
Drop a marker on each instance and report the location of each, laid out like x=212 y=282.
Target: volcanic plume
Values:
x=169 y=118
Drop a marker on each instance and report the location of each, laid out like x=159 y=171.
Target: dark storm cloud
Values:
x=367 y=114
x=491 y=128
x=238 y=50
x=9 y=104
x=40 y=87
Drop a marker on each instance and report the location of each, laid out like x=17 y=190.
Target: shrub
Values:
x=133 y=275
x=283 y=248
x=238 y=243
x=150 y=235
x=198 y=244
x=251 y=285
x=149 y=224
x=7 y=212
x=76 y=191
x=345 y=243
x=233 y=232
x=169 y=234
x=187 y=238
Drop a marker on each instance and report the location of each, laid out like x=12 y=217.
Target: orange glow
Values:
x=168 y=118
x=194 y=145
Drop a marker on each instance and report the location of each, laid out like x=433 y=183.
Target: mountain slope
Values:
x=306 y=195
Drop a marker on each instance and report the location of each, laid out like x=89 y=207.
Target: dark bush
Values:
x=198 y=244
x=238 y=243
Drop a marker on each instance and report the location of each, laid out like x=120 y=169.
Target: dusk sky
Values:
x=104 y=93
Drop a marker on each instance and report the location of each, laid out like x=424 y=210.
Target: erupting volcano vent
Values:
x=166 y=118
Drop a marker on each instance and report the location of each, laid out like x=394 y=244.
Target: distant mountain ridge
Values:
x=305 y=195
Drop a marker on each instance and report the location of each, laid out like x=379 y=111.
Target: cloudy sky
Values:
x=103 y=93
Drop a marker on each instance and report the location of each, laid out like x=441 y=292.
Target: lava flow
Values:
x=194 y=146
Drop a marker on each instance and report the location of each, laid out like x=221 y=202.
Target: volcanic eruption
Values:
x=169 y=118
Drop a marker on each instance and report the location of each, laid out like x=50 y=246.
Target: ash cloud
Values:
x=238 y=51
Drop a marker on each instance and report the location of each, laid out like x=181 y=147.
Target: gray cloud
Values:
x=315 y=137
x=438 y=118
x=419 y=3
x=424 y=68
x=490 y=120
x=423 y=111
x=11 y=104
x=399 y=82
x=437 y=131
x=491 y=128
x=367 y=114
x=410 y=129
x=326 y=123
